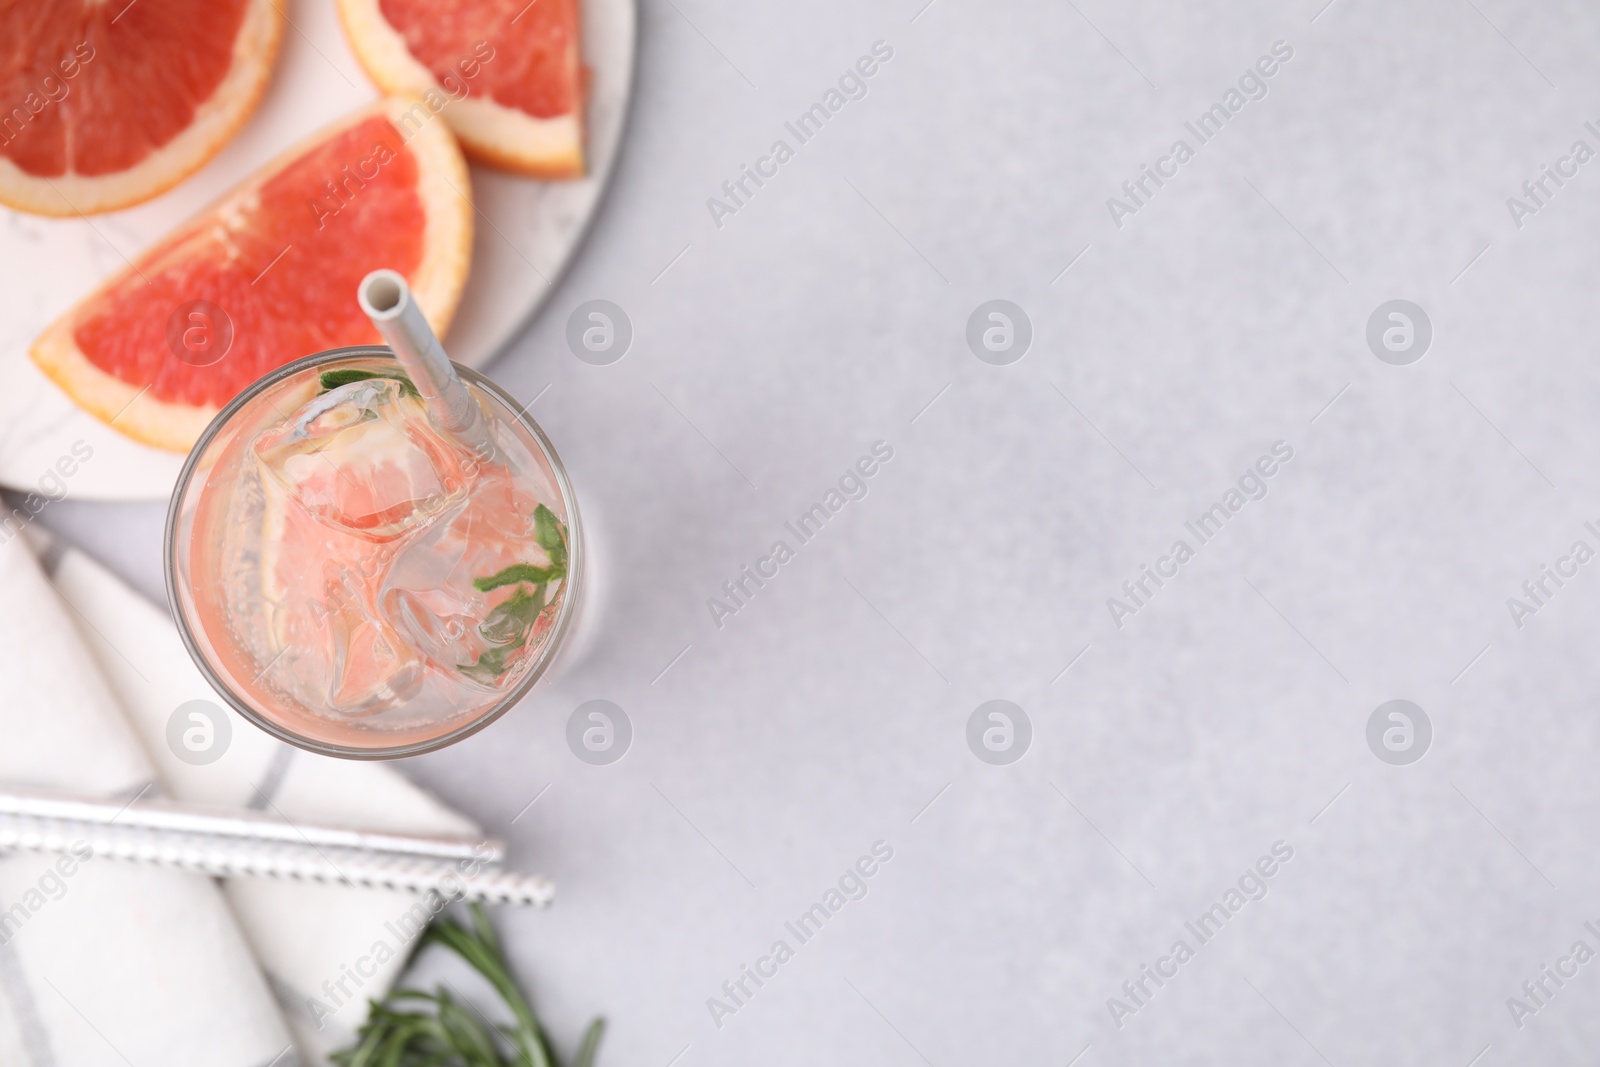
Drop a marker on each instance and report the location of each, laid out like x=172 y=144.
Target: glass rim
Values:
x=571 y=598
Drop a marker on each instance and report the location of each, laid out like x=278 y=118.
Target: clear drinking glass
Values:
x=357 y=584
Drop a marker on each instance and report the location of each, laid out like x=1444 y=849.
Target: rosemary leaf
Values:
x=551 y=535
x=518 y=572
x=332 y=379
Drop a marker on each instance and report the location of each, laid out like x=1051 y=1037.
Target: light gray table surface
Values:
x=1230 y=712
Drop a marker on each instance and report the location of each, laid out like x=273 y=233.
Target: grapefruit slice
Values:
x=507 y=74
x=104 y=103
x=268 y=274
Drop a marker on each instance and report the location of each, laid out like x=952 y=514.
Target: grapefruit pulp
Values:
x=268 y=274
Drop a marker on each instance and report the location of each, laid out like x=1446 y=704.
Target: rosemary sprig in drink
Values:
x=511 y=621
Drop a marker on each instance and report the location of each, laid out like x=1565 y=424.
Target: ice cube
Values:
x=475 y=593
x=363 y=458
x=341 y=653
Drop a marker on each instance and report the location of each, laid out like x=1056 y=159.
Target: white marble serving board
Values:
x=527 y=231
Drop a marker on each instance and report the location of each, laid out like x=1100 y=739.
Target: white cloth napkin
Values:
x=324 y=950
x=105 y=963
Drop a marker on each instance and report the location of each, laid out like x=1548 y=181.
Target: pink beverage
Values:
x=358 y=583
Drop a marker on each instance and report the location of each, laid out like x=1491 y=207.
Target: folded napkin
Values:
x=322 y=949
x=105 y=963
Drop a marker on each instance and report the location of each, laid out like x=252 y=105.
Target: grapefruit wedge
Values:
x=104 y=103
x=506 y=74
x=268 y=274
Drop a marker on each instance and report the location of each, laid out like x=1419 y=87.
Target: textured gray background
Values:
x=1227 y=715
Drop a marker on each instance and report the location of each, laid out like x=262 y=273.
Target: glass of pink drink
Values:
x=358 y=583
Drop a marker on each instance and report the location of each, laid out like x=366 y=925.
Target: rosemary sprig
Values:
x=509 y=622
x=411 y=1028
